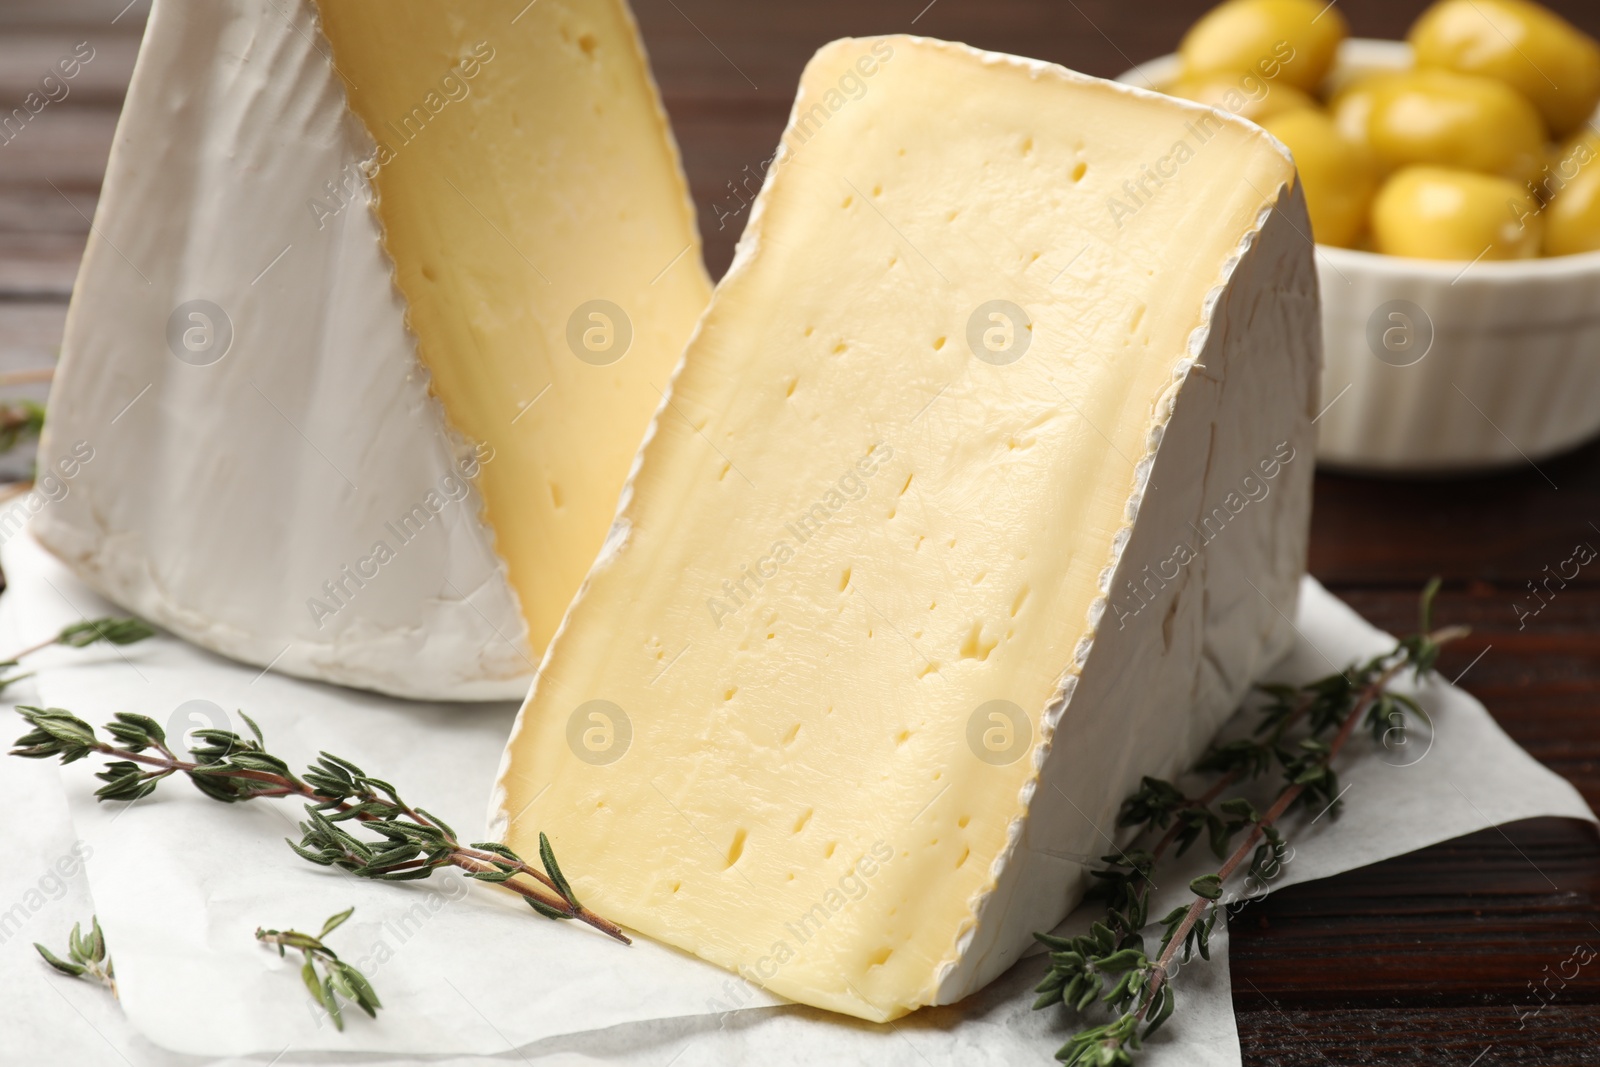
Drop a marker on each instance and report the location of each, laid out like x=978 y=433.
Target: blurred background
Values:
x=727 y=70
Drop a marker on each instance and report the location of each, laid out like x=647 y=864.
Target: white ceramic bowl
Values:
x=1434 y=367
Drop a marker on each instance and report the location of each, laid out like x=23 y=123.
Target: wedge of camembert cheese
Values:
x=982 y=491
x=302 y=199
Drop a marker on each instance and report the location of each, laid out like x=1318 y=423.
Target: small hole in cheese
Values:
x=736 y=849
x=976 y=645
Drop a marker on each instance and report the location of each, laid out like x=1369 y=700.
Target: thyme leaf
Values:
x=327 y=978
x=1301 y=733
x=86 y=956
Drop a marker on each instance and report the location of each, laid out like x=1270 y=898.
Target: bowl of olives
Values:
x=1453 y=186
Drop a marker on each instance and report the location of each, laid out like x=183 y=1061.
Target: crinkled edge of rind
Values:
x=460 y=447
x=1165 y=405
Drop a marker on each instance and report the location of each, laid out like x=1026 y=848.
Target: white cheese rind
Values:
x=222 y=497
x=1206 y=635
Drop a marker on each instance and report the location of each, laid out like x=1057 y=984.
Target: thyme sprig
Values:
x=116 y=631
x=87 y=958
x=1302 y=731
x=412 y=842
x=20 y=420
x=337 y=980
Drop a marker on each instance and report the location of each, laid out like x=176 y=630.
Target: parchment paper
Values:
x=180 y=883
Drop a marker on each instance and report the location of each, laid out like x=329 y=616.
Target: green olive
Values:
x=1534 y=51
x=1572 y=221
x=1456 y=120
x=1572 y=217
x=1351 y=106
x=1443 y=213
x=1247 y=95
x=1339 y=176
x=1295 y=40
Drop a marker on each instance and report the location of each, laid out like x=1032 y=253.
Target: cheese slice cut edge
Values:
x=550 y=287
x=802 y=717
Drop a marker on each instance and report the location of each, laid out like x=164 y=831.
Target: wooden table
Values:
x=1431 y=958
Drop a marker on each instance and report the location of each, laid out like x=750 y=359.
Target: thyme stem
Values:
x=1304 y=730
x=1285 y=801
x=234 y=769
x=1204 y=800
x=31 y=649
x=468 y=859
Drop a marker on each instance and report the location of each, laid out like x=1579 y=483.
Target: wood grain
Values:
x=1420 y=960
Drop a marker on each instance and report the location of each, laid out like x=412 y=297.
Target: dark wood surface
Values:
x=1430 y=958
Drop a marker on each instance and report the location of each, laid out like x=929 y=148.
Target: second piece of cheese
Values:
x=983 y=491
x=303 y=198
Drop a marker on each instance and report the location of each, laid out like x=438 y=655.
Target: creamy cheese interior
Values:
x=532 y=202
x=776 y=729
